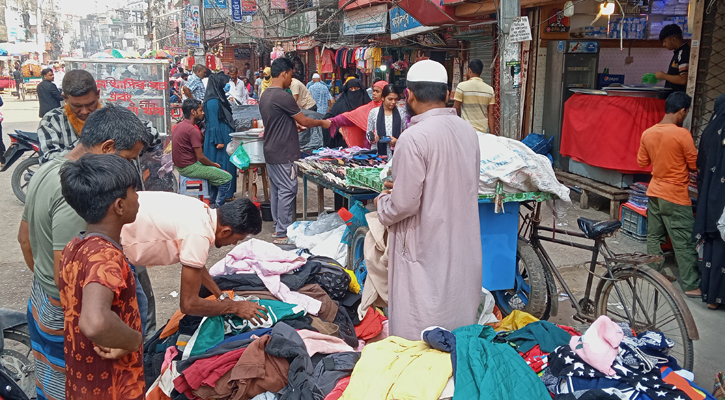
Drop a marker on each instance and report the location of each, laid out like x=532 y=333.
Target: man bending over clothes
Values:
x=171 y=228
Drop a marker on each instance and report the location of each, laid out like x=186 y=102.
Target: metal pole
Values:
x=510 y=70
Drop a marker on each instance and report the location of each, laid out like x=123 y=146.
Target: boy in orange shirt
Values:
x=670 y=150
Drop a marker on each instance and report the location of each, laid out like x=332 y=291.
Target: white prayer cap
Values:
x=428 y=71
x=315 y=76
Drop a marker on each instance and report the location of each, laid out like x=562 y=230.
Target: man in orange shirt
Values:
x=670 y=150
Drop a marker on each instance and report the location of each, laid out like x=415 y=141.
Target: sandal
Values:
x=284 y=240
x=693 y=295
x=713 y=307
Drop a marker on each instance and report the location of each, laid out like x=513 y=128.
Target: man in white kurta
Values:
x=434 y=270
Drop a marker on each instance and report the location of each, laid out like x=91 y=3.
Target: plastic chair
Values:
x=194 y=187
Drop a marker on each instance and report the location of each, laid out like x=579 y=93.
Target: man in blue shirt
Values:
x=194 y=87
x=321 y=93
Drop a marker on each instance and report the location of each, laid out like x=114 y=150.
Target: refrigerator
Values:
x=570 y=64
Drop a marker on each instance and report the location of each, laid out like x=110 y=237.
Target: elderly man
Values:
x=237 y=89
x=59 y=132
x=434 y=270
x=49 y=223
x=194 y=87
x=320 y=92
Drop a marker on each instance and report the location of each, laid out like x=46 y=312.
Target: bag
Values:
x=232 y=147
x=240 y=158
x=538 y=143
x=332 y=277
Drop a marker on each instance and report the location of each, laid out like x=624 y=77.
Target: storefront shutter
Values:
x=482 y=49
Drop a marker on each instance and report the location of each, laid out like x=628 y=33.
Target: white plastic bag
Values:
x=232 y=147
x=488 y=302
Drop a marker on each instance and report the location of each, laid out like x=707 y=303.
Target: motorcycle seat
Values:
x=32 y=136
x=593 y=229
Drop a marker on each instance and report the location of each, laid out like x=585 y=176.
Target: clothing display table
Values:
x=352 y=195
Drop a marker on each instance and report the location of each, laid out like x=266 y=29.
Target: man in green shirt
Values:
x=49 y=223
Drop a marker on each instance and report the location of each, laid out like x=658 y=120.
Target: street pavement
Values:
x=15 y=278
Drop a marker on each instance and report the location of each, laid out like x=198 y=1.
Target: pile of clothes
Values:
x=317 y=344
x=638 y=198
x=332 y=164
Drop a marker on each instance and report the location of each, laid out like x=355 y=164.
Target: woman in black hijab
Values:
x=353 y=96
x=710 y=206
x=219 y=124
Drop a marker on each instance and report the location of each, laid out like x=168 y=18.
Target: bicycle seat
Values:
x=594 y=229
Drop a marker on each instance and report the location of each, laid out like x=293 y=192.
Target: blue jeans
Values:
x=218 y=194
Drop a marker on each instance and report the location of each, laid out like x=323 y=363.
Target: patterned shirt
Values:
x=196 y=87
x=475 y=97
x=321 y=93
x=97 y=259
x=57 y=136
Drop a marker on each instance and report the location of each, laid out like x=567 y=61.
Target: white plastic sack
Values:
x=332 y=246
x=232 y=147
x=519 y=169
x=488 y=302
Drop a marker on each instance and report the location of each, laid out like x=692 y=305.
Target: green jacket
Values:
x=489 y=371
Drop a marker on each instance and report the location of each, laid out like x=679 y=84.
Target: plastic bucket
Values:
x=266 y=212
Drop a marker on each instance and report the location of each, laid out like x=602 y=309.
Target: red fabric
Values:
x=371 y=325
x=668 y=376
x=605 y=131
x=536 y=359
x=206 y=372
x=339 y=389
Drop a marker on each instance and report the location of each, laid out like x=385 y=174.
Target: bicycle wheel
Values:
x=530 y=292
x=652 y=307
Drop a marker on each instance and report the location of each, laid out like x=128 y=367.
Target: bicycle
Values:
x=628 y=291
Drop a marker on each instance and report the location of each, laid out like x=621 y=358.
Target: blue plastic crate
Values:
x=634 y=225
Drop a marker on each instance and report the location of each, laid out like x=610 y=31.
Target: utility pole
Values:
x=510 y=70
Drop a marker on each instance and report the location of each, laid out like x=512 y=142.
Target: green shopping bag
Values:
x=240 y=158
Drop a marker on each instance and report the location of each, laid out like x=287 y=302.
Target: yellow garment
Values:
x=377 y=56
x=265 y=82
x=516 y=320
x=354 y=286
x=348 y=79
x=396 y=368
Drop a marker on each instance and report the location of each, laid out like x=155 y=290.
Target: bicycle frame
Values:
x=599 y=247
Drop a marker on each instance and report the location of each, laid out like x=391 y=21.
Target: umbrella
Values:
x=115 y=53
x=132 y=54
x=163 y=54
x=102 y=55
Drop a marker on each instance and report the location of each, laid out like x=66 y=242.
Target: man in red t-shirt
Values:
x=187 y=153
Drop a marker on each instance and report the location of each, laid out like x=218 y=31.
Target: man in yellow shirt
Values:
x=671 y=152
x=474 y=99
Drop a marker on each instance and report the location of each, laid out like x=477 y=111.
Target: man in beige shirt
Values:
x=474 y=99
x=302 y=96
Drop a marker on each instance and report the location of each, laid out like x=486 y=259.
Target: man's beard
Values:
x=409 y=109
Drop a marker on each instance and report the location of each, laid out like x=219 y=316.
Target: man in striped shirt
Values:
x=474 y=99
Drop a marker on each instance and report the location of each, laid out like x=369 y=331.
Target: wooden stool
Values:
x=615 y=195
x=247 y=179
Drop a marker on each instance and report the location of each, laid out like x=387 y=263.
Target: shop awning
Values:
x=470 y=9
x=429 y=13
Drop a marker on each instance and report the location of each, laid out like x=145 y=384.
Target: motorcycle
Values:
x=20 y=143
x=17 y=371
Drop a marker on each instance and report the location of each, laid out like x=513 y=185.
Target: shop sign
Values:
x=243 y=8
x=191 y=24
x=306 y=43
x=366 y=21
x=237 y=10
x=557 y=22
x=300 y=24
x=215 y=3
x=403 y=24
x=278 y=5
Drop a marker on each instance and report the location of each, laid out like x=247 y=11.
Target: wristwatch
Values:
x=223 y=296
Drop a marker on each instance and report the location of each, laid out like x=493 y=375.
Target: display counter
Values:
x=604 y=131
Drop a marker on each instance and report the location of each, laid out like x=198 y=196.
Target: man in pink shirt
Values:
x=171 y=228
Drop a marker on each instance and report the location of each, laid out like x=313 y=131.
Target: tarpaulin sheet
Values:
x=604 y=131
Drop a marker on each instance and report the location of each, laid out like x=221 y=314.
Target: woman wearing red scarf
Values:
x=354 y=123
